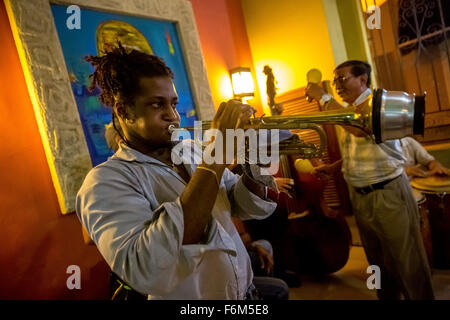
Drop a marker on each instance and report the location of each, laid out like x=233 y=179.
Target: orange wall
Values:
x=292 y=37
x=37 y=242
x=225 y=45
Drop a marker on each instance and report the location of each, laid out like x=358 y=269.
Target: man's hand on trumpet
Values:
x=232 y=114
x=235 y=115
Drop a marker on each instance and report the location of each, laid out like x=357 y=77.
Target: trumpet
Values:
x=384 y=115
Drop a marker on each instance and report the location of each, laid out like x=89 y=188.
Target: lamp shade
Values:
x=242 y=81
x=365 y=4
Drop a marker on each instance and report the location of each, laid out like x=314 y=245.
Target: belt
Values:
x=376 y=186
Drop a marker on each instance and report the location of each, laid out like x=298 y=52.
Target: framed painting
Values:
x=53 y=37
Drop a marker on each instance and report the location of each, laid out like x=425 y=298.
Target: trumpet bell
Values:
x=397 y=114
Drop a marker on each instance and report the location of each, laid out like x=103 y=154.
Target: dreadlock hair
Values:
x=117 y=73
x=357 y=68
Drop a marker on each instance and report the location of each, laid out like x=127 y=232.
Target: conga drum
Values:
x=436 y=190
x=425 y=228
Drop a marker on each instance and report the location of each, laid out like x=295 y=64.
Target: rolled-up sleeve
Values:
x=421 y=155
x=245 y=204
x=138 y=243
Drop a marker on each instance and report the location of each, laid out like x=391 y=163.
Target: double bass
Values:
x=307 y=235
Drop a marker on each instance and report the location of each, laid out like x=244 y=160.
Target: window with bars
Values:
x=411 y=52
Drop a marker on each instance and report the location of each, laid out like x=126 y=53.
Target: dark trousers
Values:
x=269 y=287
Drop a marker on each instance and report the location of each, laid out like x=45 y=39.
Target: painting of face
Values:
x=98 y=33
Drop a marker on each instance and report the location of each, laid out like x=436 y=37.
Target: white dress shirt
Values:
x=414 y=152
x=130 y=206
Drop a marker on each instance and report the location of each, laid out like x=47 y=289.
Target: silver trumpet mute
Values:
x=396 y=114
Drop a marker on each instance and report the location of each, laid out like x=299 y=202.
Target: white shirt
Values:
x=365 y=162
x=414 y=152
x=130 y=206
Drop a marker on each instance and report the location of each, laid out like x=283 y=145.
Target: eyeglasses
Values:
x=341 y=80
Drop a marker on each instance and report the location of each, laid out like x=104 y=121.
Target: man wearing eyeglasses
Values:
x=383 y=204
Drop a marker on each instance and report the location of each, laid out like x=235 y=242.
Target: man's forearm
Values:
x=196 y=206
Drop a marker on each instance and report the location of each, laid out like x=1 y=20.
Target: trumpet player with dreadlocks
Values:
x=164 y=228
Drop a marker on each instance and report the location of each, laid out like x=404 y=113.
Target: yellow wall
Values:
x=225 y=45
x=292 y=37
x=354 y=30
x=349 y=12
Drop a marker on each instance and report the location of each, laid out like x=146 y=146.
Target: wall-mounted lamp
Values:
x=242 y=82
x=366 y=4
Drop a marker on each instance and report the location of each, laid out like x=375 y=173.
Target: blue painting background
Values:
x=78 y=43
